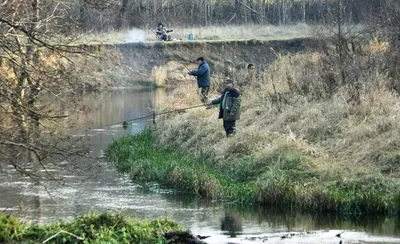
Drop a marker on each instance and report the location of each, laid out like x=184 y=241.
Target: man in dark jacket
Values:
x=161 y=32
x=202 y=74
x=229 y=109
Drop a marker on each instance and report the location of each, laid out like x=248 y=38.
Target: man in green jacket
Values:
x=229 y=109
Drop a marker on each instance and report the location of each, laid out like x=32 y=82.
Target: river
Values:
x=103 y=189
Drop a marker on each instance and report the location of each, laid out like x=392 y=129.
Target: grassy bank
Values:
x=187 y=174
x=305 y=141
x=90 y=228
x=284 y=177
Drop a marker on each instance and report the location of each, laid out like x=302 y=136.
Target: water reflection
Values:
x=286 y=220
x=231 y=225
x=110 y=109
x=87 y=183
x=120 y=105
x=100 y=188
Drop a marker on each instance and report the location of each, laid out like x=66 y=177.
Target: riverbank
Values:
x=283 y=178
x=163 y=64
x=298 y=145
x=106 y=66
x=93 y=228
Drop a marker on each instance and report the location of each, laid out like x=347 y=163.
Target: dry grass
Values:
x=342 y=138
x=234 y=32
x=300 y=142
x=229 y=32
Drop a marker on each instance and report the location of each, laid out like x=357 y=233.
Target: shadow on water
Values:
x=236 y=220
x=231 y=225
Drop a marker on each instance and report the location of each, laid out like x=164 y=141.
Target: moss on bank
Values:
x=284 y=178
x=90 y=228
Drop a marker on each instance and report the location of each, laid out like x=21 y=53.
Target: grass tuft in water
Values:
x=88 y=228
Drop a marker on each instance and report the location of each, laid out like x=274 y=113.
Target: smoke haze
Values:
x=135 y=35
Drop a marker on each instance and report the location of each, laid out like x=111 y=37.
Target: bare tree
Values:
x=389 y=24
x=341 y=43
x=104 y=15
x=36 y=72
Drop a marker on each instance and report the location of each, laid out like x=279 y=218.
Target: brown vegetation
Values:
x=292 y=107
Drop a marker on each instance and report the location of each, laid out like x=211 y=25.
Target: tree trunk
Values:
x=279 y=9
x=121 y=14
x=237 y=11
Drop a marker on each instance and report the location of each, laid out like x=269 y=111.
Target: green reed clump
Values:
x=10 y=229
x=140 y=157
x=371 y=194
x=282 y=177
x=88 y=228
x=289 y=184
x=286 y=178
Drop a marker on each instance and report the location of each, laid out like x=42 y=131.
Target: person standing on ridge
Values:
x=229 y=109
x=202 y=74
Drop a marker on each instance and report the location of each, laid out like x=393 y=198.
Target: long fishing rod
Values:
x=153 y=115
x=185 y=66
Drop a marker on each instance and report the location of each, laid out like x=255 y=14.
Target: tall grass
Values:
x=140 y=157
x=300 y=143
x=285 y=178
x=89 y=228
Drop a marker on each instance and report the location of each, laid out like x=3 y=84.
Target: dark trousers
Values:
x=229 y=127
x=162 y=37
x=204 y=93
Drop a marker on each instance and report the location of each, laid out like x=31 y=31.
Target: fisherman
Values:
x=251 y=70
x=161 y=32
x=202 y=74
x=229 y=109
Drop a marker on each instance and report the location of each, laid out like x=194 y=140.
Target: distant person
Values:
x=161 y=32
x=202 y=74
x=230 y=107
x=251 y=70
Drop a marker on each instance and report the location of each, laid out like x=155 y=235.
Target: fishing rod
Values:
x=185 y=66
x=125 y=122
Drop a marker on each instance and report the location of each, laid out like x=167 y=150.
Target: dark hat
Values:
x=229 y=81
x=200 y=58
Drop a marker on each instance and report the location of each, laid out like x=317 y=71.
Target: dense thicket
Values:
x=90 y=14
x=93 y=15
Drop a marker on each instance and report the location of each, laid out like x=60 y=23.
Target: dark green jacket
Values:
x=232 y=104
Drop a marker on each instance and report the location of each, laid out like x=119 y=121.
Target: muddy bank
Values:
x=166 y=63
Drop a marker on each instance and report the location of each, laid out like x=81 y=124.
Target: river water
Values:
x=103 y=189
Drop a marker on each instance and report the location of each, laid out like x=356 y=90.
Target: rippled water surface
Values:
x=102 y=189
